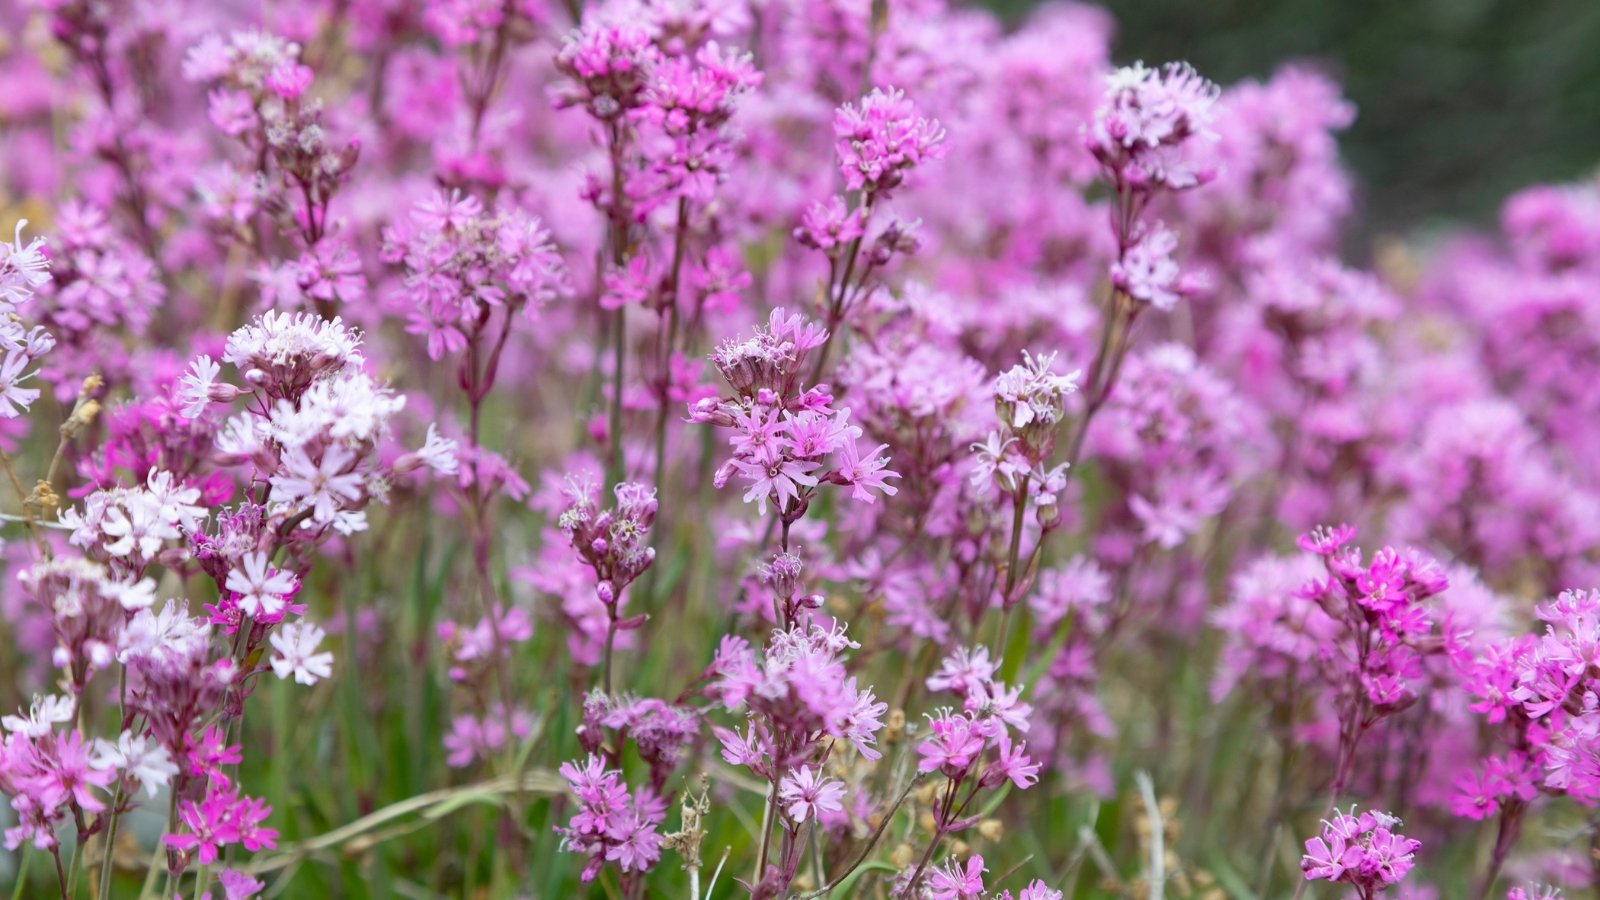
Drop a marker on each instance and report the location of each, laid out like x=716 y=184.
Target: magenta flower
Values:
x=1012 y=764
x=1362 y=851
x=224 y=817
x=953 y=881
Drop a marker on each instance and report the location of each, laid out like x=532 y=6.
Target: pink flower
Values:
x=1477 y=796
x=864 y=475
x=224 y=817
x=1148 y=273
x=1328 y=857
x=609 y=825
x=952 y=881
x=1363 y=851
x=237 y=885
x=953 y=747
x=829 y=225
x=805 y=791
x=635 y=844
x=963 y=671
x=1143 y=128
x=1012 y=764
x=289 y=80
x=738 y=749
x=72 y=771
x=782 y=480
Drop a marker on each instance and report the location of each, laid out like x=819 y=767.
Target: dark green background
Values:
x=1460 y=101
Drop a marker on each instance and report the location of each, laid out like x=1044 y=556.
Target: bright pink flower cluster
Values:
x=1365 y=851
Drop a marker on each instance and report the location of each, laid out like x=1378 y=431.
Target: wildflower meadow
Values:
x=774 y=449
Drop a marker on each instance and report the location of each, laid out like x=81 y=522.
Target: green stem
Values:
x=767 y=816
x=619 y=345
x=22 y=873
x=1019 y=508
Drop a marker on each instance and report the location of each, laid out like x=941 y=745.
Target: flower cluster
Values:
x=1145 y=130
x=258 y=96
x=612 y=543
x=800 y=703
x=785 y=435
x=24 y=269
x=103 y=291
x=1150 y=135
x=50 y=776
x=1536 y=695
x=1384 y=631
x=1366 y=852
x=369 y=327
x=881 y=141
x=1172 y=440
x=462 y=263
x=684 y=120
x=610 y=825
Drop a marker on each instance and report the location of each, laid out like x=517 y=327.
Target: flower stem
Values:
x=619 y=345
x=61 y=875
x=767 y=815
x=1505 y=837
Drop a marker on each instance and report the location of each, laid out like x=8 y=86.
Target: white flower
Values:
x=350 y=521
x=22 y=269
x=194 y=392
x=133 y=595
x=177 y=503
x=303 y=341
x=170 y=634
x=439 y=453
x=324 y=484
x=45 y=713
x=297 y=645
x=136 y=756
x=138 y=525
x=243 y=437
x=262 y=590
x=14 y=398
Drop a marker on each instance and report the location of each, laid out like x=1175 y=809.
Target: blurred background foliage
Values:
x=1461 y=102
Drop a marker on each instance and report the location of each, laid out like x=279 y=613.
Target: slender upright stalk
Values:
x=611 y=640
x=61 y=874
x=1505 y=837
x=1019 y=507
x=769 y=813
x=669 y=336
x=615 y=469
